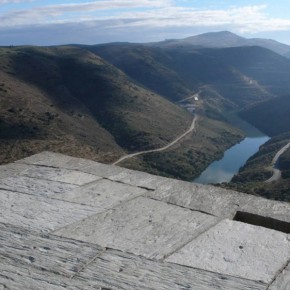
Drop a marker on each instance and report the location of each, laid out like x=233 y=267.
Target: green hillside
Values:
x=240 y=75
x=69 y=100
x=271 y=117
x=252 y=176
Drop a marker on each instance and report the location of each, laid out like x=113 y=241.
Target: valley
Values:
x=161 y=107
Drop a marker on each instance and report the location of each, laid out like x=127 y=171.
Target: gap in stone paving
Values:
x=262 y=221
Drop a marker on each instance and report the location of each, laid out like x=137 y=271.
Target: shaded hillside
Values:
x=151 y=67
x=242 y=76
x=268 y=70
x=70 y=100
x=271 y=117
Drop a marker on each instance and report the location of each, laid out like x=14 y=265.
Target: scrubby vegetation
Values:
x=251 y=177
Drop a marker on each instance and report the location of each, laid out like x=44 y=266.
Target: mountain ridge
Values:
x=223 y=39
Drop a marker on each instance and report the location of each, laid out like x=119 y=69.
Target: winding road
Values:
x=191 y=128
x=276 y=171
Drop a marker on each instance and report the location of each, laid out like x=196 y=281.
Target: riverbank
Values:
x=251 y=177
x=235 y=157
x=189 y=157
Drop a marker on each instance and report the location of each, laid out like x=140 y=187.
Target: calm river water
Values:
x=224 y=169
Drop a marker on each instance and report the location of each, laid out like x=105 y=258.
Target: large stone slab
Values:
x=141 y=226
x=104 y=170
x=60 y=175
x=45 y=252
x=34 y=186
x=282 y=281
x=131 y=177
x=141 y=179
x=38 y=213
x=129 y=272
x=103 y=193
x=237 y=249
x=12 y=169
x=52 y=159
x=209 y=199
x=18 y=277
x=268 y=208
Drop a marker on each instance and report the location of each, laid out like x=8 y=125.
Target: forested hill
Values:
x=70 y=100
x=272 y=116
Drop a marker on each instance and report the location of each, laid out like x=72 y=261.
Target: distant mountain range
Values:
x=236 y=76
x=224 y=39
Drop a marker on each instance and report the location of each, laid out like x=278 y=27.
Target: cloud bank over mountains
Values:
x=38 y=22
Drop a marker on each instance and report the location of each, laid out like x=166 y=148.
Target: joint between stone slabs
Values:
x=99 y=254
x=48 y=197
x=188 y=242
x=32 y=164
x=279 y=272
x=183 y=207
x=122 y=182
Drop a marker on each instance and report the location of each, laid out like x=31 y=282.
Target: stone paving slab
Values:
x=12 y=169
x=60 y=174
x=52 y=159
x=45 y=252
x=104 y=170
x=103 y=194
x=141 y=226
x=39 y=213
x=16 y=277
x=237 y=249
x=142 y=179
x=268 y=208
x=129 y=272
x=209 y=199
x=131 y=177
x=34 y=186
x=282 y=282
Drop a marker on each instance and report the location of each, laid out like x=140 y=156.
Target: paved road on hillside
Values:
x=276 y=171
x=191 y=128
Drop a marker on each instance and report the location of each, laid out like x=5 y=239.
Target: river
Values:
x=224 y=169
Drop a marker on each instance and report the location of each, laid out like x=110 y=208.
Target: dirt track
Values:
x=191 y=128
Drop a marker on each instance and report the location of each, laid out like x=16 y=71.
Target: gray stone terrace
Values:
x=71 y=223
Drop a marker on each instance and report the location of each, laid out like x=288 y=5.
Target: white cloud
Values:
x=161 y=18
x=43 y=14
x=14 y=1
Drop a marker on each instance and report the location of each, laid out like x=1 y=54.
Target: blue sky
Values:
x=42 y=22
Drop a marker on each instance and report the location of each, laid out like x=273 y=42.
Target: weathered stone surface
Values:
x=12 y=169
x=237 y=249
x=142 y=179
x=39 y=187
x=131 y=177
x=52 y=159
x=58 y=213
x=17 y=277
x=45 y=252
x=60 y=174
x=39 y=213
x=209 y=199
x=268 y=208
x=103 y=194
x=125 y=271
x=104 y=170
x=282 y=281
x=141 y=226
